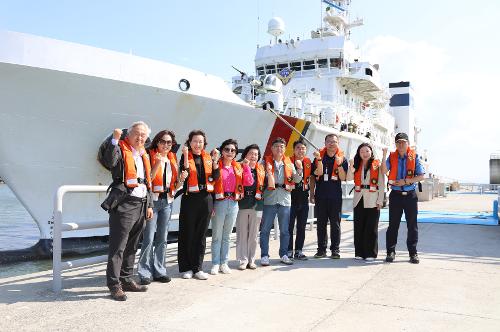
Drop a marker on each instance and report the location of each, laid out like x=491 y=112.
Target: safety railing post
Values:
x=57 y=241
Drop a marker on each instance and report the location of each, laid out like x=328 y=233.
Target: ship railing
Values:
x=481 y=188
x=58 y=266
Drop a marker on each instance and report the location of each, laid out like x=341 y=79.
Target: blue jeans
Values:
x=152 y=260
x=222 y=226
x=268 y=216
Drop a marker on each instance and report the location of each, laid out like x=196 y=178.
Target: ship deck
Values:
x=455 y=287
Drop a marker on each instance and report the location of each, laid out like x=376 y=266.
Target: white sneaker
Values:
x=369 y=259
x=187 y=275
x=264 y=261
x=215 y=269
x=358 y=258
x=200 y=275
x=224 y=268
x=252 y=265
x=243 y=265
x=285 y=260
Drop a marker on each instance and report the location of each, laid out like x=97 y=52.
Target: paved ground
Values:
x=456 y=287
x=461 y=202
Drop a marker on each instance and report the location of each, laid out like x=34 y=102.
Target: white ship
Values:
x=59 y=100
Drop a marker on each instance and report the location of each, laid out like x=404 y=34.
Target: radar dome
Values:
x=276 y=26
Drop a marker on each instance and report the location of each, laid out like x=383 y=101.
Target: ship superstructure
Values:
x=322 y=79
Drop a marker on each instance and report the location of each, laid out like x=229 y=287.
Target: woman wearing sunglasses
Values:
x=228 y=190
x=166 y=178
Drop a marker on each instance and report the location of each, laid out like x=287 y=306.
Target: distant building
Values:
x=495 y=168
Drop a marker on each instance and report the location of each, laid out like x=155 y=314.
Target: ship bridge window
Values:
x=270 y=69
x=309 y=65
x=322 y=63
x=335 y=63
x=295 y=66
x=260 y=71
x=282 y=66
x=368 y=72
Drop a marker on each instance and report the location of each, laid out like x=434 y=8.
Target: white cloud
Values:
x=454 y=104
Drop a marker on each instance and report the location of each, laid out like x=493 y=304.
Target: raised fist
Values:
x=159 y=157
x=245 y=162
x=298 y=164
x=215 y=155
x=184 y=174
x=339 y=160
x=117 y=133
x=269 y=168
x=316 y=154
x=384 y=151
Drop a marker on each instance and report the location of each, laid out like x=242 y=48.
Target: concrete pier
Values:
x=456 y=287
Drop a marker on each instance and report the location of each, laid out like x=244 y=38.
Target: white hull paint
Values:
x=56 y=109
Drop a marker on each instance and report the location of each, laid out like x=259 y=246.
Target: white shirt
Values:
x=141 y=190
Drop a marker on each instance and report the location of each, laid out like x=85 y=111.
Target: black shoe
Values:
x=118 y=294
x=162 y=279
x=132 y=286
x=414 y=259
x=320 y=254
x=145 y=281
x=299 y=255
x=335 y=255
x=390 y=257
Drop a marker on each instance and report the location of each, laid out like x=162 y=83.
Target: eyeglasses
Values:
x=229 y=150
x=162 y=141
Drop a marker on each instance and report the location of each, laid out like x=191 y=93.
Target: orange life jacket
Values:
x=335 y=171
x=289 y=184
x=261 y=174
x=129 y=170
x=238 y=190
x=158 y=185
x=193 y=186
x=410 y=165
x=374 y=170
x=306 y=168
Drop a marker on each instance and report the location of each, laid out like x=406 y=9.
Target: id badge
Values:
x=325 y=176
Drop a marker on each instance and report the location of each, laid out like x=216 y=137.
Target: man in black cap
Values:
x=405 y=170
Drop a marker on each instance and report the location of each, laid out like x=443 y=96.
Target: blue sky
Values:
x=447 y=49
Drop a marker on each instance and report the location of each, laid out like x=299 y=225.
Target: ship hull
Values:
x=53 y=119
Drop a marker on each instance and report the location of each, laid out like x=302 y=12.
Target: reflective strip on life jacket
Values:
x=193 y=173
x=238 y=188
x=129 y=168
x=410 y=165
x=339 y=153
x=288 y=166
x=374 y=173
x=158 y=185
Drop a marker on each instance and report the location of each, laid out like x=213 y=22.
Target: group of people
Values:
x=215 y=186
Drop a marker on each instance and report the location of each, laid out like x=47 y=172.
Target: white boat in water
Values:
x=60 y=100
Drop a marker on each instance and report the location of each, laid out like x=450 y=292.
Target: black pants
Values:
x=299 y=212
x=366 y=231
x=328 y=210
x=194 y=217
x=397 y=205
x=126 y=224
